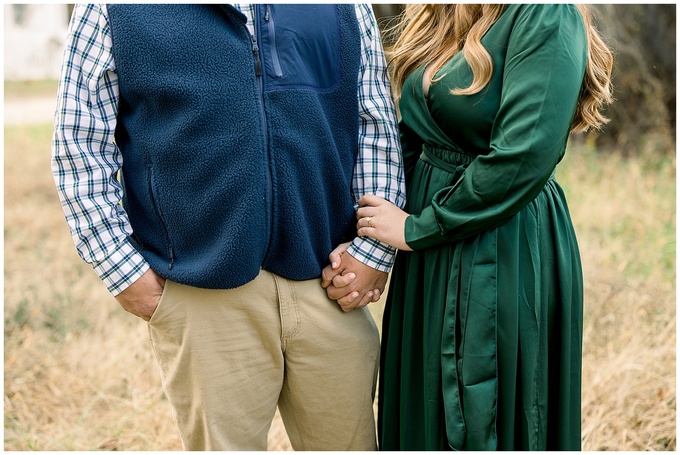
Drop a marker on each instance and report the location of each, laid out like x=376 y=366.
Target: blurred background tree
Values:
x=642 y=37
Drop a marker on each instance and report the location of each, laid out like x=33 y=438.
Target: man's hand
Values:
x=141 y=297
x=351 y=283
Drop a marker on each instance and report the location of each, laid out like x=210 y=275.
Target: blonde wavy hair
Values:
x=433 y=33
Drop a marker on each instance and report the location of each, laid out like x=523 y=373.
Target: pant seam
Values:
x=161 y=364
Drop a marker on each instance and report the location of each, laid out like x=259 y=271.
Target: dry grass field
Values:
x=79 y=373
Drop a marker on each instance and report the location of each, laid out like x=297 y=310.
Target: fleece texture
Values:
x=230 y=166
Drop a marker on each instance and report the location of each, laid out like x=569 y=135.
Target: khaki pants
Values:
x=229 y=357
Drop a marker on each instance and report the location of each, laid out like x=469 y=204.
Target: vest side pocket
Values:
x=159 y=215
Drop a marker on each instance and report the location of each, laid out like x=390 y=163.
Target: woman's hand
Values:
x=382 y=220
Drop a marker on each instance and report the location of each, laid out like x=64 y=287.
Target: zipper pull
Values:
x=266 y=12
x=256 y=52
x=172 y=256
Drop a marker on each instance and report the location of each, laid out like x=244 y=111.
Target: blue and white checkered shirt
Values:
x=86 y=162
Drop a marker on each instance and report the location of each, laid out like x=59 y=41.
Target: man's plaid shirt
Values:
x=86 y=162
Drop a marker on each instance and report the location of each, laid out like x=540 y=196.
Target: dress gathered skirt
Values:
x=482 y=338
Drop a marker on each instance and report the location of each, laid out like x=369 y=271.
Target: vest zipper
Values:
x=256 y=53
x=258 y=72
x=171 y=250
x=272 y=44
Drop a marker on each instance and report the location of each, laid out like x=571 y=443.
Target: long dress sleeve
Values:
x=541 y=81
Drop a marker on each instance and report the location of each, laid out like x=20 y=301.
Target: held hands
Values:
x=141 y=297
x=350 y=282
x=343 y=280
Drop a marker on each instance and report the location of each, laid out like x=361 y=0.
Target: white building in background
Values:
x=34 y=38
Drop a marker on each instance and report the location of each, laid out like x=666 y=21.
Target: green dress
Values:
x=482 y=328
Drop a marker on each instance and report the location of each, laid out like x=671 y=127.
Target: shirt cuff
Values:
x=121 y=268
x=373 y=253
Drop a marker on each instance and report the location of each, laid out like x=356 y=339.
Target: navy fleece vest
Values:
x=237 y=154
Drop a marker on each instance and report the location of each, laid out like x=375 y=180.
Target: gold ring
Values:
x=368 y=220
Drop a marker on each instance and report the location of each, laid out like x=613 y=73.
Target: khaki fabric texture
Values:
x=229 y=357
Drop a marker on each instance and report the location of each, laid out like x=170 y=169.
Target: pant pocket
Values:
x=158 y=313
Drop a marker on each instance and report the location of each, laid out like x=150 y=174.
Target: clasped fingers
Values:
x=353 y=300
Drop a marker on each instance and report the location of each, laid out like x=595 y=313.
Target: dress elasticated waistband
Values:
x=452 y=160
